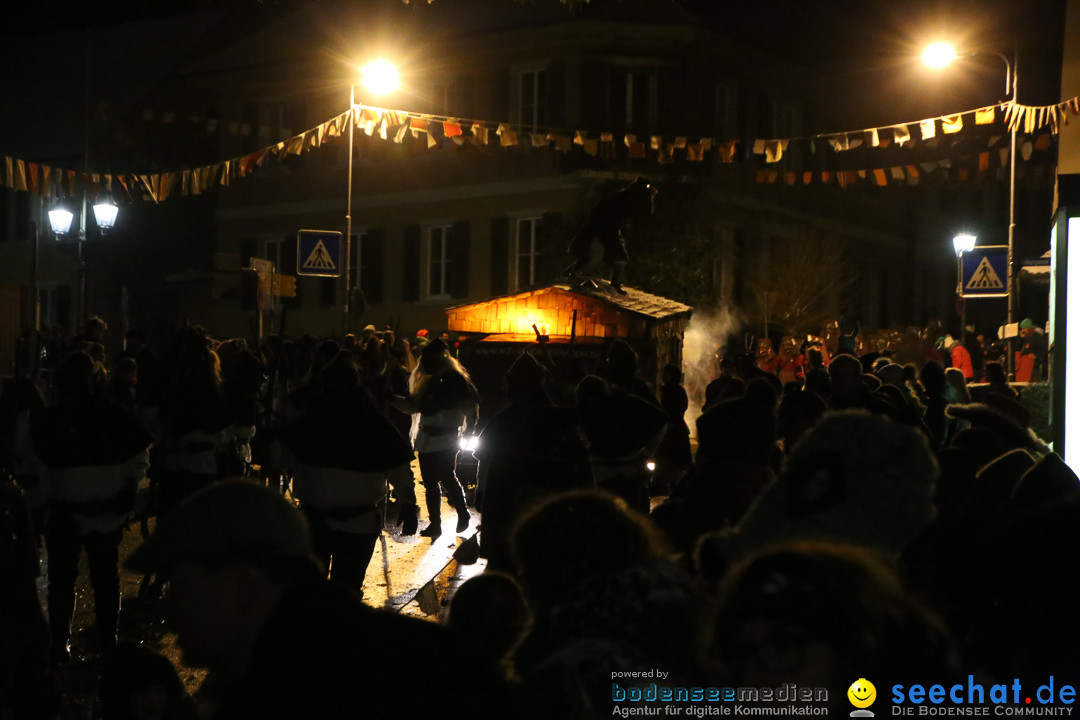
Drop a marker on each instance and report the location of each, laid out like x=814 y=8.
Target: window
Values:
x=721 y=109
x=524 y=256
x=438 y=261
x=532 y=98
x=633 y=98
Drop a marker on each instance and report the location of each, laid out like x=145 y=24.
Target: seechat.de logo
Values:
x=862 y=694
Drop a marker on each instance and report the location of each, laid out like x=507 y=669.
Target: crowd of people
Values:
x=855 y=508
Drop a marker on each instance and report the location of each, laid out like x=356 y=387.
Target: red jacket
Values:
x=962 y=359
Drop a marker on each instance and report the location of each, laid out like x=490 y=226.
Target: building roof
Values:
x=634 y=301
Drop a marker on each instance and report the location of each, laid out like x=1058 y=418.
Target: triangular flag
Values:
x=928 y=129
x=46 y=181
x=637 y=149
x=591 y=146
x=952 y=124
x=20 y=175
x=538 y=139
x=480 y=132
x=897 y=172
x=773 y=151
x=984 y=116
x=563 y=143
x=901 y=135
x=807 y=177
x=451 y=129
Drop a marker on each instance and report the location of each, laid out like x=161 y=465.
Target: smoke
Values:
x=706 y=335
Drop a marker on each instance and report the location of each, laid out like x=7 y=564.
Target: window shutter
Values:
x=249 y=248
x=371 y=278
x=500 y=255
x=459 y=259
x=551 y=243
x=556 y=94
x=410 y=282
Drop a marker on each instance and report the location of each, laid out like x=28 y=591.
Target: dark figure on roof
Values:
x=605 y=225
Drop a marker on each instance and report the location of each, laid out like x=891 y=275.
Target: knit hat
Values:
x=1026 y=324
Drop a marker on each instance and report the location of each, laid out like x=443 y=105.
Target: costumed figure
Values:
x=529 y=450
x=790 y=361
x=605 y=225
x=342 y=452
x=93 y=456
x=766 y=356
x=623 y=432
x=444 y=396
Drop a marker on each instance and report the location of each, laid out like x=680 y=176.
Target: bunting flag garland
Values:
x=1039 y=124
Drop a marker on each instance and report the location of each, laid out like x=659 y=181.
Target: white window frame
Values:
x=529 y=255
x=436 y=249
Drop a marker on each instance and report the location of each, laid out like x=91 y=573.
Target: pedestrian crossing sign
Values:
x=318 y=253
x=984 y=272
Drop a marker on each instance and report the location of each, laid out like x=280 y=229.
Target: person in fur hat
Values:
x=443 y=395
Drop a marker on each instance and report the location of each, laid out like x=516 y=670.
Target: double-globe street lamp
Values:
x=379 y=77
x=60 y=218
x=940 y=54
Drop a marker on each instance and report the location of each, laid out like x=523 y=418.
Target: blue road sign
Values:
x=984 y=272
x=318 y=253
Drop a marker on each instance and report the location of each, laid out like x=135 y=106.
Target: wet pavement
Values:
x=412 y=575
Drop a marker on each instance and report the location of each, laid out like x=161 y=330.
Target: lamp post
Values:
x=962 y=243
x=60 y=218
x=939 y=55
x=378 y=77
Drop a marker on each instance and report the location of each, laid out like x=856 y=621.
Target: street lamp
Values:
x=938 y=55
x=379 y=77
x=962 y=243
x=60 y=218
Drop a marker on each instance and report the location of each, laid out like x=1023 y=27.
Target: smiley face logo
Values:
x=862 y=693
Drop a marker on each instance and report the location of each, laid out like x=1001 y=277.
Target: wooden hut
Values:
x=569 y=327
